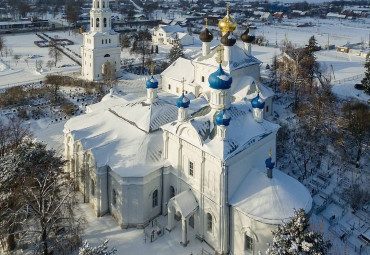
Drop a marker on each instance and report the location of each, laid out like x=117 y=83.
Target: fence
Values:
x=153 y=231
x=359 y=76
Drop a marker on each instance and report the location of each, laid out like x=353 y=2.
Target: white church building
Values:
x=198 y=151
x=101 y=47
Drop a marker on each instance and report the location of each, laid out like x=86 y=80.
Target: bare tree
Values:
x=2 y=45
x=37 y=205
x=54 y=52
x=141 y=46
x=50 y=64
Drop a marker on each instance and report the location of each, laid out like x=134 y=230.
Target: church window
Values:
x=177 y=89
x=98 y=4
x=172 y=191
x=202 y=78
x=102 y=41
x=103 y=4
x=114 y=197
x=248 y=243
x=267 y=108
x=109 y=40
x=92 y=22
x=155 y=198
x=169 y=86
x=191 y=221
x=191 y=168
x=209 y=222
x=186 y=91
x=105 y=22
x=92 y=187
x=106 y=55
x=97 y=22
x=106 y=41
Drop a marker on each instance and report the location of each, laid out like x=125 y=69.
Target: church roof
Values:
x=238 y=59
x=185 y=202
x=181 y=68
x=270 y=200
x=117 y=128
x=171 y=29
x=202 y=130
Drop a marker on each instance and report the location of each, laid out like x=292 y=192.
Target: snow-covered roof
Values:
x=238 y=59
x=185 y=202
x=270 y=200
x=178 y=35
x=172 y=29
x=119 y=127
x=201 y=130
x=181 y=68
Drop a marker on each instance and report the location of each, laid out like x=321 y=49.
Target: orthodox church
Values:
x=196 y=148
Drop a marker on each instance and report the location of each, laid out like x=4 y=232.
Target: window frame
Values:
x=191 y=168
x=248 y=242
x=209 y=222
x=155 y=198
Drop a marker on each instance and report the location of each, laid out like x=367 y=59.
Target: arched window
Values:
x=105 y=22
x=267 y=108
x=92 y=22
x=155 y=198
x=106 y=41
x=172 y=191
x=209 y=222
x=97 y=22
x=103 y=4
x=114 y=197
x=102 y=41
x=98 y=4
x=92 y=187
x=248 y=243
x=109 y=40
x=106 y=55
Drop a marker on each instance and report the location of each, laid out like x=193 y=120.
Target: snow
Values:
x=224 y=77
x=185 y=72
x=270 y=200
x=132 y=241
x=186 y=202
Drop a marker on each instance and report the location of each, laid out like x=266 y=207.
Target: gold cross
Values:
x=206 y=20
x=258 y=85
x=152 y=68
x=220 y=50
x=183 y=82
x=270 y=153
x=227 y=9
x=247 y=23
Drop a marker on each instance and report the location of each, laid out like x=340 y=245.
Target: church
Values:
x=195 y=148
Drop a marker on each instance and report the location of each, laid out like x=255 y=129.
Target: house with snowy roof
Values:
x=205 y=159
x=169 y=34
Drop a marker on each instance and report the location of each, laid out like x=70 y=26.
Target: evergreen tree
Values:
x=175 y=52
x=366 y=81
x=125 y=42
x=293 y=238
x=312 y=45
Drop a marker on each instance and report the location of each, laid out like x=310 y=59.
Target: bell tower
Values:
x=100 y=44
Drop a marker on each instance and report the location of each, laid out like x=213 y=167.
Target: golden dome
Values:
x=227 y=24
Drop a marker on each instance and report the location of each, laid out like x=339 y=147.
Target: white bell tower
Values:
x=100 y=44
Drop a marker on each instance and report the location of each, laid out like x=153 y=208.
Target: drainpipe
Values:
x=108 y=207
x=161 y=190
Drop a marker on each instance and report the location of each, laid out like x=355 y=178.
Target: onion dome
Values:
x=206 y=36
x=222 y=118
x=258 y=102
x=246 y=37
x=152 y=83
x=220 y=79
x=228 y=39
x=183 y=101
x=227 y=24
x=269 y=163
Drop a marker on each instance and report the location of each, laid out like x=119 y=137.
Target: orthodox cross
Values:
x=206 y=20
x=227 y=9
x=270 y=153
x=183 y=82
x=152 y=68
x=258 y=85
x=220 y=50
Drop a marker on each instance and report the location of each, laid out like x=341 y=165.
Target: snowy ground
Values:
x=132 y=241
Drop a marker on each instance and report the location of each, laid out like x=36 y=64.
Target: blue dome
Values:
x=269 y=163
x=258 y=102
x=183 y=101
x=220 y=79
x=152 y=83
x=222 y=118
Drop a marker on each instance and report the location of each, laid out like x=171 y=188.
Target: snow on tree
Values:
x=99 y=250
x=366 y=81
x=294 y=238
x=175 y=52
x=36 y=202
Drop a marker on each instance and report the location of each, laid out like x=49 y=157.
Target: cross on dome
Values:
x=219 y=51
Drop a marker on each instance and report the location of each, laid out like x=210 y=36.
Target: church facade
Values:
x=202 y=154
x=101 y=49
